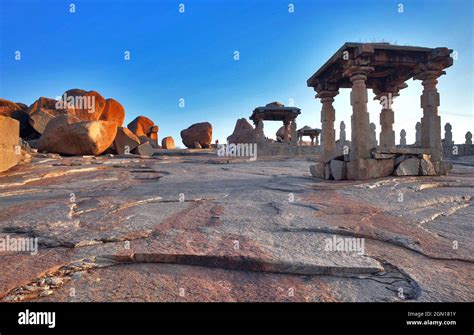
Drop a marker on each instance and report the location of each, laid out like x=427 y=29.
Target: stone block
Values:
x=317 y=170
x=408 y=167
x=327 y=172
x=427 y=168
x=361 y=169
x=144 y=149
x=377 y=155
x=338 y=169
x=442 y=168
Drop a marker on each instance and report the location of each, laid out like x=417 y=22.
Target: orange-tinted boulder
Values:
x=168 y=143
x=113 y=111
x=243 y=133
x=68 y=135
x=42 y=111
x=125 y=141
x=88 y=106
x=9 y=143
x=141 y=126
x=18 y=111
x=198 y=132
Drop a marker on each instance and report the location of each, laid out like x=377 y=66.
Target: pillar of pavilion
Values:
x=384 y=68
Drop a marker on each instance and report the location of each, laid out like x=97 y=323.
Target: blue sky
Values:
x=190 y=55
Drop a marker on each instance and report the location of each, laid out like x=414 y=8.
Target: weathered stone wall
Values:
x=286 y=149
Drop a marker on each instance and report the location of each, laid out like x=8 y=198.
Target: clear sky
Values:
x=190 y=55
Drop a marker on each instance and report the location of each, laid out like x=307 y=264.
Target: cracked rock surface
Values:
x=198 y=227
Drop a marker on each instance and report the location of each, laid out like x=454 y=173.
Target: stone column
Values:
x=418 y=134
x=328 y=115
x=431 y=121
x=468 y=137
x=294 y=136
x=387 y=118
x=448 y=135
x=286 y=130
x=342 y=133
x=259 y=135
x=360 y=129
x=373 y=135
x=403 y=138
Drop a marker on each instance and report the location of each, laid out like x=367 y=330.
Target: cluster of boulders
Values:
x=139 y=137
x=83 y=123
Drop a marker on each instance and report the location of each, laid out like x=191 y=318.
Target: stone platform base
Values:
x=286 y=149
x=380 y=165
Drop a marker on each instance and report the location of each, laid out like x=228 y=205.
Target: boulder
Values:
x=10 y=149
x=125 y=141
x=317 y=170
x=145 y=149
x=168 y=143
x=146 y=139
x=42 y=111
x=338 y=169
x=113 y=111
x=198 y=132
x=141 y=126
x=280 y=134
x=18 y=111
x=427 y=168
x=243 y=133
x=87 y=106
x=68 y=135
x=197 y=145
x=408 y=167
x=153 y=135
x=443 y=168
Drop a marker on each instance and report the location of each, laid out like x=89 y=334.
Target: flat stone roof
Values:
x=275 y=112
x=393 y=64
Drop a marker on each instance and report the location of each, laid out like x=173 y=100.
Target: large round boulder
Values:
x=168 y=143
x=198 y=132
x=141 y=126
x=69 y=135
x=88 y=106
x=243 y=133
x=113 y=111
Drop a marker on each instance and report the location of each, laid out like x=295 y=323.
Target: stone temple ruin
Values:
x=384 y=68
x=287 y=143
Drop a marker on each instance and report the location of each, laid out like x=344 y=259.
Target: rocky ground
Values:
x=197 y=227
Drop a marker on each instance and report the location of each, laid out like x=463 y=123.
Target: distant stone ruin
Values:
x=452 y=150
x=287 y=143
x=384 y=68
